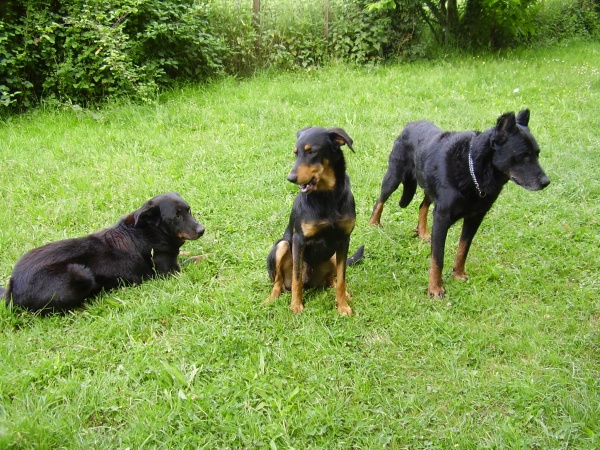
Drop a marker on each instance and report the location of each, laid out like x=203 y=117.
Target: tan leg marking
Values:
x=421 y=229
x=376 y=215
x=283 y=270
x=341 y=296
x=458 y=271
x=435 y=289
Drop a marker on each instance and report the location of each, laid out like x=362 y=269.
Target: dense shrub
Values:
x=361 y=35
x=81 y=51
x=496 y=23
x=85 y=51
x=557 y=21
x=292 y=35
x=281 y=38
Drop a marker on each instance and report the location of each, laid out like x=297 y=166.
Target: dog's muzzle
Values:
x=536 y=184
x=193 y=235
x=304 y=187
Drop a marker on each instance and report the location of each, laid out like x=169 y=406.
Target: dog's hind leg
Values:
x=279 y=266
x=390 y=183
x=470 y=227
x=55 y=291
x=341 y=294
x=421 y=228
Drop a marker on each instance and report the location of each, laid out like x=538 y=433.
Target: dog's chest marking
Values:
x=311 y=229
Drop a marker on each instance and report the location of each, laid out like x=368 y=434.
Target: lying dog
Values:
x=144 y=244
x=314 y=247
x=463 y=174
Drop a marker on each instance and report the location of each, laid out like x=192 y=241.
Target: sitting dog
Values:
x=314 y=247
x=463 y=174
x=144 y=244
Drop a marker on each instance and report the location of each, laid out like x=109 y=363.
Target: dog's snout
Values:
x=544 y=181
x=292 y=177
x=200 y=230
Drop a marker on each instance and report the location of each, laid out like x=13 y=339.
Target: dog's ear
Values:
x=149 y=213
x=341 y=137
x=506 y=122
x=523 y=117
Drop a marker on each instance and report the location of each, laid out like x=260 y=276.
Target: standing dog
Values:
x=314 y=247
x=144 y=244
x=463 y=174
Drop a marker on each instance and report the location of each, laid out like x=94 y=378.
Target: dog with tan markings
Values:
x=313 y=252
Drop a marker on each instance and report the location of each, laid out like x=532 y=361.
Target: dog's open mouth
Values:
x=305 y=188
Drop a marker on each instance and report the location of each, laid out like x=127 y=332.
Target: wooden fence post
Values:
x=326 y=19
x=256 y=23
x=256 y=12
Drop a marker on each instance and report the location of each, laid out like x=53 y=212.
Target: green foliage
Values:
x=281 y=38
x=361 y=35
x=173 y=38
x=241 y=37
x=95 y=61
x=497 y=23
x=82 y=51
x=557 y=21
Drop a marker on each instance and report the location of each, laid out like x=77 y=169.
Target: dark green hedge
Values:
x=81 y=51
x=85 y=51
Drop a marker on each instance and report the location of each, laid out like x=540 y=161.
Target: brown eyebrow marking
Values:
x=307 y=147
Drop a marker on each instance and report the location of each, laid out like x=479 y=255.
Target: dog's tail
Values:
x=358 y=255
x=408 y=190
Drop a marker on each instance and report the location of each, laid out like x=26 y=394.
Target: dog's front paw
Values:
x=345 y=309
x=276 y=292
x=436 y=292
x=342 y=304
x=297 y=308
x=195 y=259
x=425 y=236
x=460 y=275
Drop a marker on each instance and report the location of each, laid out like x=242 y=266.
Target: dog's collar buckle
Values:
x=472 y=171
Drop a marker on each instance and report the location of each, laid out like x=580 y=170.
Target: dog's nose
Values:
x=200 y=230
x=545 y=181
x=292 y=177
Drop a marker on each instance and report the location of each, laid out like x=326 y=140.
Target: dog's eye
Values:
x=178 y=215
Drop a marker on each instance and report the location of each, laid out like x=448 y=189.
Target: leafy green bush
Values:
x=558 y=21
x=85 y=51
x=284 y=37
x=81 y=51
x=497 y=23
x=360 y=35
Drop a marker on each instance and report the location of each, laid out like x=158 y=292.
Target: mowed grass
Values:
x=509 y=359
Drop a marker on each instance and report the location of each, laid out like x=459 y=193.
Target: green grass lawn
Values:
x=509 y=359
